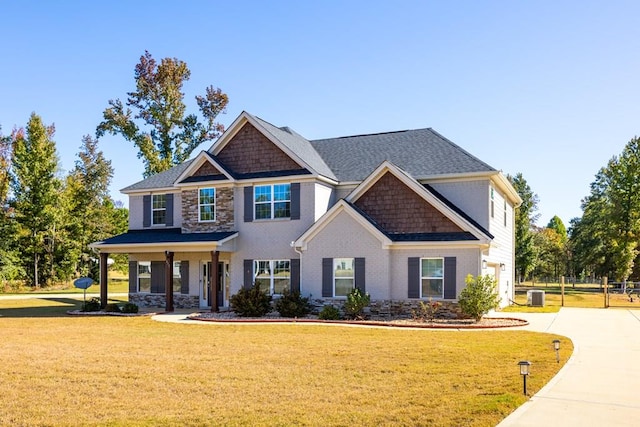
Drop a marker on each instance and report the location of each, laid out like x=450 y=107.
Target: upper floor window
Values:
x=158 y=209
x=272 y=201
x=207 y=204
x=492 y=208
x=273 y=276
x=343 y=276
x=432 y=278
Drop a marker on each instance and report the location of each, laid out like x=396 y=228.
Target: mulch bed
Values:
x=485 y=323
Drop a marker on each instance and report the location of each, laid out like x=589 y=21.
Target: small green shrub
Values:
x=129 y=308
x=479 y=296
x=92 y=305
x=292 y=304
x=355 y=304
x=251 y=302
x=329 y=312
x=112 y=308
x=427 y=311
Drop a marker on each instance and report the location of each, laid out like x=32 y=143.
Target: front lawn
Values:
x=137 y=372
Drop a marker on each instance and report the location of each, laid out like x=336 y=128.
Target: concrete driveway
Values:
x=600 y=384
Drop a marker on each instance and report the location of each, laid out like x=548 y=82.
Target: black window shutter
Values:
x=133 y=277
x=414 y=277
x=169 y=214
x=327 y=277
x=450 y=277
x=359 y=274
x=295 y=200
x=146 y=211
x=184 y=277
x=294 y=266
x=248 y=273
x=157 y=277
x=248 y=203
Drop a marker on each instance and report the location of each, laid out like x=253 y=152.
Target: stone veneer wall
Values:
x=159 y=300
x=224 y=212
x=387 y=309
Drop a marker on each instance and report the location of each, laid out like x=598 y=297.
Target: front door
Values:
x=205 y=283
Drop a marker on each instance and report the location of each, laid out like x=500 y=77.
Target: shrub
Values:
x=112 y=308
x=129 y=308
x=427 y=311
x=292 y=304
x=355 y=304
x=92 y=305
x=251 y=302
x=329 y=312
x=479 y=296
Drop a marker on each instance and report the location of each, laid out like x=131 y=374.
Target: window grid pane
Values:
x=432 y=278
x=144 y=276
x=343 y=276
x=273 y=276
x=159 y=209
x=272 y=201
x=206 y=202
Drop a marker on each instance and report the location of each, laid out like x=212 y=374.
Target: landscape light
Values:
x=524 y=371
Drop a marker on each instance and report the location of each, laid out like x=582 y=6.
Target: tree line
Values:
x=604 y=241
x=48 y=219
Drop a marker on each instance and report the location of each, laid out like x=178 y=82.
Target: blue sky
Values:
x=546 y=88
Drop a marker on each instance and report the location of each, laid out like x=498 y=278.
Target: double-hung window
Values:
x=272 y=201
x=343 y=276
x=144 y=276
x=158 y=209
x=432 y=278
x=177 y=277
x=273 y=276
x=207 y=204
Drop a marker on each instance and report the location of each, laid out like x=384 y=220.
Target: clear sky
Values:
x=547 y=88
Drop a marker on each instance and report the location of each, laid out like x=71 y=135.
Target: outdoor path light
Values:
x=524 y=371
x=556 y=347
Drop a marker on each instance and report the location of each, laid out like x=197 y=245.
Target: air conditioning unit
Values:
x=535 y=298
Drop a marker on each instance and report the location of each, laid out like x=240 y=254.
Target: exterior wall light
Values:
x=524 y=371
x=503 y=267
x=484 y=264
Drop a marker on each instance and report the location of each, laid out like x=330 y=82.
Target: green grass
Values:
x=585 y=296
x=66 y=370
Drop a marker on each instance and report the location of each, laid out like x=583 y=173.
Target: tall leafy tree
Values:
x=525 y=219
x=35 y=189
x=9 y=262
x=157 y=125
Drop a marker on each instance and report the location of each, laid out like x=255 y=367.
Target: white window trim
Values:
x=432 y=277
x=333 y=273
x=271 y=202
x=272 y=276
x=215 y=208
x=158 y=210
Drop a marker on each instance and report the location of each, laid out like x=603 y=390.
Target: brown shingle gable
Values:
x=249 y=151
x=207 y=169
x=396 y=208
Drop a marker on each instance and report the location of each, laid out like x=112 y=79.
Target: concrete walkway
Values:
x=600 y=384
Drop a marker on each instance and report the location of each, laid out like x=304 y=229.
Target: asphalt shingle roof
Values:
x=165 y=235
x=421 y=153
x=160 y=180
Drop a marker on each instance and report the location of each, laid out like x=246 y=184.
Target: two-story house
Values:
x=405 y=216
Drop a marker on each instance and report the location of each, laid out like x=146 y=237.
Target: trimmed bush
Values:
x=479 y=296
x=92 y=305
x=329 y=312
x=112 y=308
x=355 y=304
x=292 y=304
x=251 y=302
x=129 y=308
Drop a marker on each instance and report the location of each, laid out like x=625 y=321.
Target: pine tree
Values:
x=35 y=188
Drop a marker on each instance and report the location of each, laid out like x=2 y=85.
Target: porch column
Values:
x=104 y=278
x=168 y=280
x=215 y=281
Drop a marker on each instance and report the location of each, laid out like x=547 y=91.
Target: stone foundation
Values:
x=394 y=309
x=159 y=300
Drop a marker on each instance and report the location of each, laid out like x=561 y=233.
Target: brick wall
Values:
x=224 y=212
x=398 y=209
x=249 y=151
